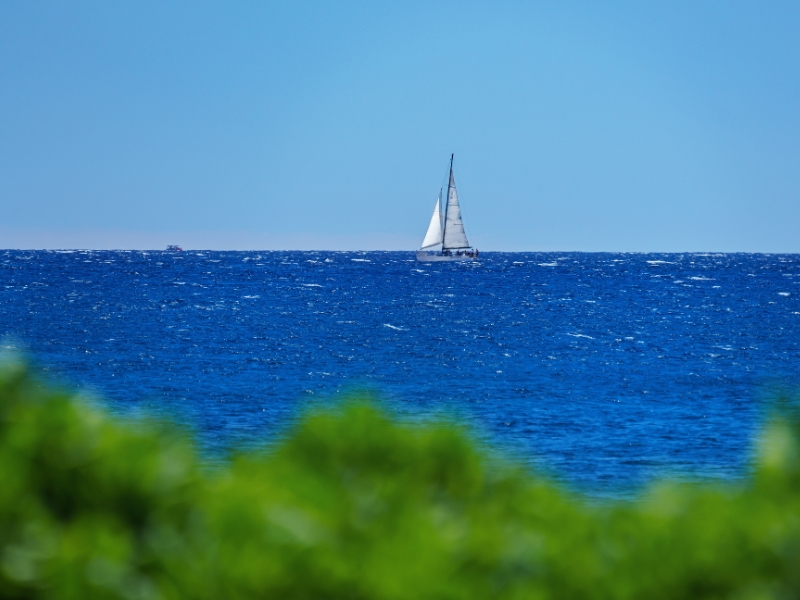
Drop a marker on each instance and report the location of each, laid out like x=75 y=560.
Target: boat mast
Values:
x=447 y=200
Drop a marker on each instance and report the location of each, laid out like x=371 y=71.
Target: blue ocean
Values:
x=602 y=370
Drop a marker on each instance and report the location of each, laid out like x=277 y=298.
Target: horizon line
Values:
x=340 y=250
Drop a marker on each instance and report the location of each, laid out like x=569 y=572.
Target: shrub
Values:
x=354 y=505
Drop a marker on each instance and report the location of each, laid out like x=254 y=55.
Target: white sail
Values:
x=434 y=235
x=454 y=236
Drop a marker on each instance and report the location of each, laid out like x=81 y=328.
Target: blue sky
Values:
x=613 y=126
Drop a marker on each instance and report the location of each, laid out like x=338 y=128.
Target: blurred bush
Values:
x=355 y=506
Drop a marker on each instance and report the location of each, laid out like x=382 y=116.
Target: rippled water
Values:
x=605 y=369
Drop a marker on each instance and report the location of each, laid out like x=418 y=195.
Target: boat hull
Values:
x=436 y=257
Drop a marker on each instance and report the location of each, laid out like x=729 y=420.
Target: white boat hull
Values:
x=437 y=257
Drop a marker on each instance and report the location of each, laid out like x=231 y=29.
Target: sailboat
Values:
x=445 y=239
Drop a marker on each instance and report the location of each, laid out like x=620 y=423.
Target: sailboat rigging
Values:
x=446 y=239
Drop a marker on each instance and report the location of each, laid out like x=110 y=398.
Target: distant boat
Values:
x=173 y=248
x=446 y=239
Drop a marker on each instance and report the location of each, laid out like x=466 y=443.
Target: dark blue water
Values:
x=606 y=369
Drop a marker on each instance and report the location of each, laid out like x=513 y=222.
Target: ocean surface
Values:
x=604 y=370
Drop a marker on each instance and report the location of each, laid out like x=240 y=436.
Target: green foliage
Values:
x=353 y=505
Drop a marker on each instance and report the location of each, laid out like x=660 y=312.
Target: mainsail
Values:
x=454 y=236
x=434 y=235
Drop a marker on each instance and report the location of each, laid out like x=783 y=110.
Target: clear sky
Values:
x=597 y=126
